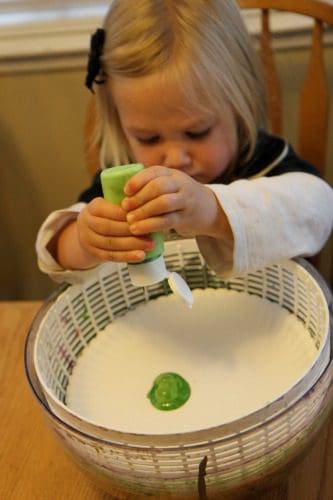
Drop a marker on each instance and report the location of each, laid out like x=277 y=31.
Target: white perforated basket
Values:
x=237 y=452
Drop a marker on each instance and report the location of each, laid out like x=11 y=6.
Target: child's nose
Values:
x=177 y=157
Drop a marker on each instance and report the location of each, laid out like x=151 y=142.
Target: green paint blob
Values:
x=169 y=391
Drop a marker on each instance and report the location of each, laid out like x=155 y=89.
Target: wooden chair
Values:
x=314 y=96
x=313 y=105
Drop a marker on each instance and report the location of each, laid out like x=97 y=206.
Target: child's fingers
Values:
x=159 y=206
x=102 y=226
x=152 y=190
x=161 y=223
x=129 y=256
x=104 y=218
x=139 y=180
x=99 y=207
x=121 y=244
x=106 y=227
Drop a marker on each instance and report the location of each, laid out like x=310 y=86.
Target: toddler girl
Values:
x=178 y=88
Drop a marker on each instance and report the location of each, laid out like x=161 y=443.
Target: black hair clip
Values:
x=94 y=63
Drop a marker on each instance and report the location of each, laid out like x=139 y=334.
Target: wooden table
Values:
x=33 y=466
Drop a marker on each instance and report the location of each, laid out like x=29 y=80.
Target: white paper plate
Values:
x=237 y=351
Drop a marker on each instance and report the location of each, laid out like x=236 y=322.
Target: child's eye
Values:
x=149 y=140
x=201 y=134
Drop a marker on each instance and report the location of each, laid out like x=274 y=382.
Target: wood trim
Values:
x=318 y=9
x=314 y=112
x=64 y=44
x=271 y=77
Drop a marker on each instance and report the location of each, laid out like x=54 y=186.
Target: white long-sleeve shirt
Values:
x=271 y=218
x=273 y=215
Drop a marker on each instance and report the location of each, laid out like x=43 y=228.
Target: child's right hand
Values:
x=100 y=233
x=104 y=233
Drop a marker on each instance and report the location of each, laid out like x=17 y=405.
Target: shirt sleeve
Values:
x=46 y=262
x=272 y=218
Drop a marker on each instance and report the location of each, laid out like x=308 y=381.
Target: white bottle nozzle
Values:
x=155 y=271
x=148 y=273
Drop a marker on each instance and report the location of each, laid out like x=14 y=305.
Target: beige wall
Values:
x=42 y=168
x=42 y=163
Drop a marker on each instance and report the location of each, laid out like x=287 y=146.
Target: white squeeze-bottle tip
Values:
x=148 y=272
x=153 y=269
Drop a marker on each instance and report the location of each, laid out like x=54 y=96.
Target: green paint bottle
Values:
x=152 y=269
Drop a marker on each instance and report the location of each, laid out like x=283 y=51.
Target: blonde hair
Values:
x=202 y=43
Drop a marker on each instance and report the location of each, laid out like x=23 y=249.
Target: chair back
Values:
x=313 y=109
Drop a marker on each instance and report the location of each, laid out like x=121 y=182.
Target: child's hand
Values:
x=104 y=234
x=160 y=198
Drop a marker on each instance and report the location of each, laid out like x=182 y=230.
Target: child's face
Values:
x=161 y=130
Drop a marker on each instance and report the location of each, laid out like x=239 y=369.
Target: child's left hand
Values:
x=161 y=198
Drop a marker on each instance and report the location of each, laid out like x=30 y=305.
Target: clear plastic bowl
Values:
x=234 y=457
